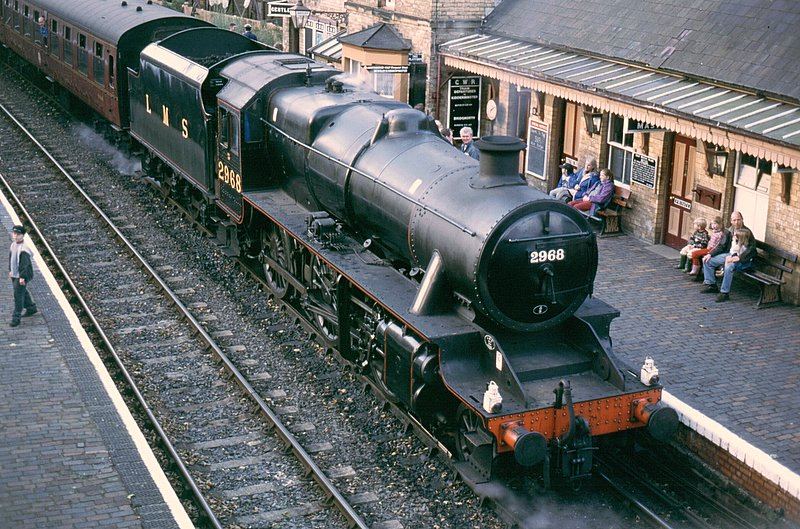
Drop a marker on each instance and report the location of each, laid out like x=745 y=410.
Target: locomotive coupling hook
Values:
x=529 y=447
x=661 y=420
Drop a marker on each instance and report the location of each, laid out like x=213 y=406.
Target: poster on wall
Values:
x=464 y=102
x=644 y=170
x=536 y=153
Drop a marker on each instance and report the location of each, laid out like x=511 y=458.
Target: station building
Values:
x=696 y=109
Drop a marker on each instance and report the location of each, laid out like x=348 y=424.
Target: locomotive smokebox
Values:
x=499 y=164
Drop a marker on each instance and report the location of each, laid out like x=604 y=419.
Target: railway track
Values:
x=156 y=311
x=366 y=452
x=231 y=444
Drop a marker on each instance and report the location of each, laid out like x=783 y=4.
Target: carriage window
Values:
x=83 y=54
x=54 y=39
x=99 y=70
x=15 y=14
x=68 y=45
x=26 y=21
x=110 y=70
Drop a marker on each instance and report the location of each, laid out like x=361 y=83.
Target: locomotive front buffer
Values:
x=545 y=405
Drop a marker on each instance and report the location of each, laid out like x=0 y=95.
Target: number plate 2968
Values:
x=547 y=256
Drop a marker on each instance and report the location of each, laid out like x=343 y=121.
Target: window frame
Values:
x=85 y=48
x=67 y=42
x=622 y=177
x=98 y=60
x=54 y=47
x=574 y=133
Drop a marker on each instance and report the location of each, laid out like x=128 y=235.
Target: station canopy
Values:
x=727 y=108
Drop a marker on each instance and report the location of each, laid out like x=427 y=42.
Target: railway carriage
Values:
x=463 y=293
x=85 y=48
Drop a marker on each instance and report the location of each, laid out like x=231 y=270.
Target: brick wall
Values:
x=744 y=476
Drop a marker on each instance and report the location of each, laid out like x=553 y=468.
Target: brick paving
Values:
x=66 y=459
x=734 y=363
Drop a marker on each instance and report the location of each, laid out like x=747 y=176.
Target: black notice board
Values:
x=643 y=170
x=464 y=103
x=537 y=149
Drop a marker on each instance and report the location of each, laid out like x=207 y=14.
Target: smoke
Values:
x=552 y=510
x=110 y=153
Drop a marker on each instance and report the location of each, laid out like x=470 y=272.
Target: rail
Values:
x=282 y=431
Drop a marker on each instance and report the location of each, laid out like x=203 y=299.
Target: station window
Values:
x=54 y=38
x=98 y=70
x=620 y=152
x=383 y=83
x=83 y=54
x=68 y=45
x=751 y=184
x=571 y=130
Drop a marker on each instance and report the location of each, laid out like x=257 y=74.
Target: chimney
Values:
x=499 y=164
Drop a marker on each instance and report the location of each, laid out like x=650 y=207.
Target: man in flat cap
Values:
x=20 y=270
x=248 y=32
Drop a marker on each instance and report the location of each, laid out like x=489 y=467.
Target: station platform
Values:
x=729 y=369
x=71 y=454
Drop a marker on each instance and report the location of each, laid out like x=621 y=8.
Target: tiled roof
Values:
x=378 y=37
x=747 y=43
x=699 y=101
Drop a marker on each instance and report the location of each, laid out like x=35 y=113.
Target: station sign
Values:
x=388 y=68
x=279 y=9
x=464 y=103
x=415 y=58
x=634 y=126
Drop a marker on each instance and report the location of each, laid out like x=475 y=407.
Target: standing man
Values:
x=20 y=270
x=248 y=32
x=232 y=27
x=467 y=145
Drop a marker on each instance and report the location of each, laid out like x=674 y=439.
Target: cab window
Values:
x=223 y=124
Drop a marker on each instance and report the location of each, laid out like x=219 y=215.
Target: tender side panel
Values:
x=167 y=116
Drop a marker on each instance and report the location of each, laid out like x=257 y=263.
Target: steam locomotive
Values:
x=462 y=292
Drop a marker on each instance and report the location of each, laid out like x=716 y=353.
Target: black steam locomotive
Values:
x=463 y=293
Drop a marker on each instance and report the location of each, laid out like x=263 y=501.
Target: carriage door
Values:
x=228 y=166
x=678 y=227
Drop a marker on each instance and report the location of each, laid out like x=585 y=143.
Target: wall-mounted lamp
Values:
x=716 y=160
x=786 y=174
x=593 y=120
x=298 y=14
x=537 y=104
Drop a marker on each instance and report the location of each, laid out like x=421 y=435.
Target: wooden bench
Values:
x=609 y=218
x=769 y=265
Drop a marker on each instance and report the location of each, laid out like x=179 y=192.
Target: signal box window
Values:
x=68 y=45
x=83 y=55
x=98 y=70
x=54 y=38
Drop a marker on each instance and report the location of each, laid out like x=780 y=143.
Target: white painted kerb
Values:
x=145 y=452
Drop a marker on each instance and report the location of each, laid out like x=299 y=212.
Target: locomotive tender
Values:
x=462 y=292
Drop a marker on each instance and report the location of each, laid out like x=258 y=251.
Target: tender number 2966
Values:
x=544 y=256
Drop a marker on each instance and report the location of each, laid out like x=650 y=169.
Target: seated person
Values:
x=586 y=179
x=599 y=196
x=740 y=257
x=569 y=178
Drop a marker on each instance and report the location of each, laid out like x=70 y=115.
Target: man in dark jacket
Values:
x=20 y=270
x=248 y=32
x=467 y=145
